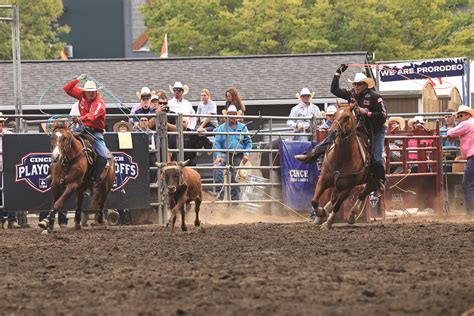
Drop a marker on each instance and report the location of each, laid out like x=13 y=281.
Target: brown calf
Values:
x=184 y=186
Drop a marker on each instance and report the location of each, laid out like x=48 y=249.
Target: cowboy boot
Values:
x=379 y=179
x=313 y=155
x=99 y=168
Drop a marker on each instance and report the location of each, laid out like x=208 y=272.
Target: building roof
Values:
x=269 y=77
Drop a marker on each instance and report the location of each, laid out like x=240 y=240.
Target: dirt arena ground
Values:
x=424 y=267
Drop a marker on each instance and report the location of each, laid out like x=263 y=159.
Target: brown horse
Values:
x=72 y=165
x=346 y=165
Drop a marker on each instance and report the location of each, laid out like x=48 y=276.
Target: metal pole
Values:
x=16 y=58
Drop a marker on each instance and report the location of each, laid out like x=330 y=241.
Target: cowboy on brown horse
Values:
x=371 y=108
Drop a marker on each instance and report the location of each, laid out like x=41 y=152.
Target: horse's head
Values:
x=172 y=173
x=61 y=141
x=344 y=123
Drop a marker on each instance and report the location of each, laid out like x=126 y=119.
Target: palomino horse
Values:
x=70 y=170
x=346 y=165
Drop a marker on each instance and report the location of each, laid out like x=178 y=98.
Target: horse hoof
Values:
x=77 y=226
x=326 y=226
x=197 y=223
x=184 y=229
x=318 y=220
x=45 y=232
x=351 y=220
x=44 y=224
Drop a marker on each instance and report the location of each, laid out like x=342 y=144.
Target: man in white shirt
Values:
x=303 y=109
x=180 y=105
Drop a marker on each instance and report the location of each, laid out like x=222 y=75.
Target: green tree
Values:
x=402 y=29
x=39 y=30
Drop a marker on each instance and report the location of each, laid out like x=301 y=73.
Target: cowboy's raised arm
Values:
x=337 y=91
x=73 y=91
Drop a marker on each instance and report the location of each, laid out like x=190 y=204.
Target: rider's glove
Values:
x=82 y=77
x=341 y=68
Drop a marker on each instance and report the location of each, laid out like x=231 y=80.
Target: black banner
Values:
x=26 y=160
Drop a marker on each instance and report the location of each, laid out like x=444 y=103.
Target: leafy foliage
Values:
x=402 y=29
x=39 y=30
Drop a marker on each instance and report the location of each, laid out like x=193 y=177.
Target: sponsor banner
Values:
x=298 y=179
x=443 y=74
x=26 y=167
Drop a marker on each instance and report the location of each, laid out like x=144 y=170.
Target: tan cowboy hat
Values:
x=242 y=174
x=232 y=109
x=304 y=91
x=128 y=125
x=360 y=77
x=90 y=86
x=399 y=120
x=179 y=85
x=465 y=109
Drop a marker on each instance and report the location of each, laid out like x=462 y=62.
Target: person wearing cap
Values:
x=180 y=105
x=239 y=141
x=330 y=112
x=371 y=107
x=11 y=216
x=303 y=109
x=465 y=132
x=92 y=115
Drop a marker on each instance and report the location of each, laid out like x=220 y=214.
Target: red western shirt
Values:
x=92 y=113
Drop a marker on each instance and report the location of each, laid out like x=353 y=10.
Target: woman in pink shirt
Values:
x=465 y=132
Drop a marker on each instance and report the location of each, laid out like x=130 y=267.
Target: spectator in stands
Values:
x=190 y=142
x=206 y=124
x=465 y=132
x=241 y=141
x=330 y=112
x=303 y=109
x=417 y=124
x=232 y=97
x=154 y=99
x=11 y=216
x=145 y=96
x=180 y=105
x=396 y=124
x=450 y=149
x=123 y=127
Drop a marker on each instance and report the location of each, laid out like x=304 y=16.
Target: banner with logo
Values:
x=26 y=161
x=443 y=74
x=298 y=179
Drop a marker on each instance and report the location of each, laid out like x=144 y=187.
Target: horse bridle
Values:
x=64 y=149
x=341 y=131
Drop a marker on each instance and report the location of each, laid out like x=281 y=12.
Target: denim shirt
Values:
x=241 y=141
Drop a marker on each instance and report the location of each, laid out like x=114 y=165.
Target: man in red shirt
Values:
x=92 y=115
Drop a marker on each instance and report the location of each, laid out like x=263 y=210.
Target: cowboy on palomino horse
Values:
x=371 y=107
x=92 y=115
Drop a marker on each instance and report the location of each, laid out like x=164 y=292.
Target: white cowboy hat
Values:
x=145 y=91
x=331 y=110
x=415 y=121
x=242 y=174
x=2 y=119
x=90 y=86
x=305 y=91
x=360 y=77
x=462 y=108
x=179 y=85
x=231 y=109
x=123 y=123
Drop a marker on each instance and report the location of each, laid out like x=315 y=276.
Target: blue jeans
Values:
x=468 y=185
x=378 y=143
x=11 y=216
x=219 y=177
x=99 y=144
